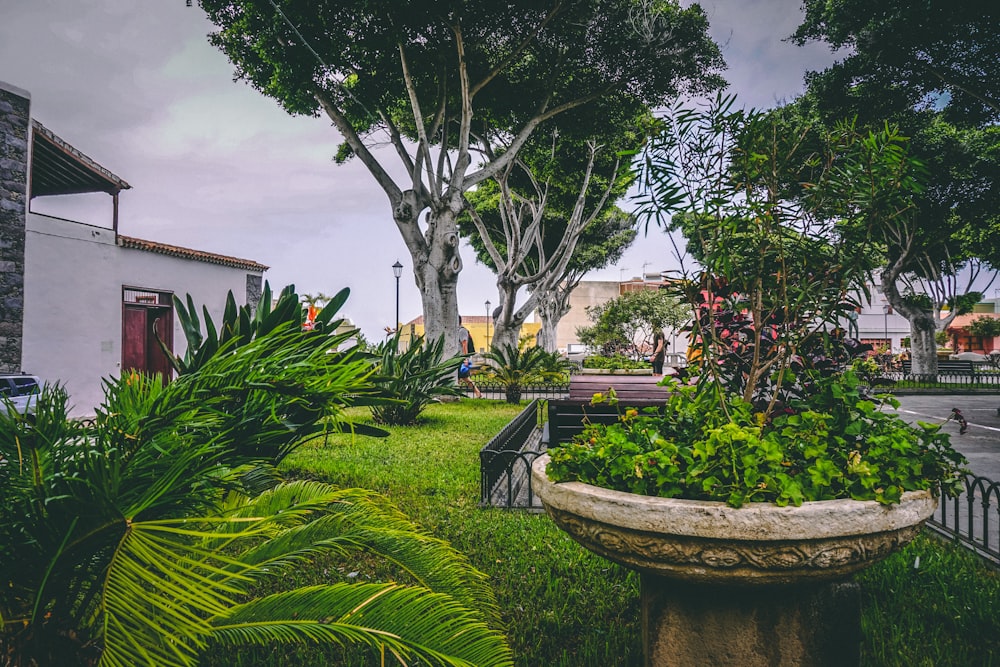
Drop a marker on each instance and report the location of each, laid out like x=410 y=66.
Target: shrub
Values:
x=412 y=379
x=514 y=368
x=614 y=362
x=144 y=537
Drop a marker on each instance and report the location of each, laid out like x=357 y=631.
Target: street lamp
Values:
x=487 y=324
x=886 y=309
x=397 y=270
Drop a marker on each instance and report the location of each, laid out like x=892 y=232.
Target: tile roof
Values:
x=188 y=253
x=466 y=319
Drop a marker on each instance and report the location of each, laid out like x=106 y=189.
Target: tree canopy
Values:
x=933 y=69
x=440 y=83
x=627 y=324
x=936 y=54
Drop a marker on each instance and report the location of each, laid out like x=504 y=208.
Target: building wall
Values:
x=73 y=300
x=14 y=123
x=587 y=293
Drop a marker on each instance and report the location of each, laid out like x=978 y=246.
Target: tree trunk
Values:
x=507 y=325
x=923 y=323
x=552 y=306
x=436 y=265
x=923 y=347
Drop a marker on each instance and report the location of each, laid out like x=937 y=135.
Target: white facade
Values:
x=877 y=326
x=74 y=275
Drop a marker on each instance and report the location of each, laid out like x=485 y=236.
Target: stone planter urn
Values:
x=757 y=586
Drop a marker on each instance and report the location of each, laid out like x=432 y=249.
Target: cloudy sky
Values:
x=216 y=166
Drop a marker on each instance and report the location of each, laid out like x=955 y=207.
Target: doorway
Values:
x=146 y=316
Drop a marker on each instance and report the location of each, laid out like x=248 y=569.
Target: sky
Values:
x=218 y=167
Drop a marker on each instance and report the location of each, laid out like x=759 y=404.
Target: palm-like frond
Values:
x=135 y=539
x=412 y=378
x=515 y=368
x=311 y=517
x=410 y=622
x=174 y=586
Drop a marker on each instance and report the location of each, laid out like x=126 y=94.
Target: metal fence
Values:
x=505 y=461
x=943 y=382
x=530 y=391
x=973 y=518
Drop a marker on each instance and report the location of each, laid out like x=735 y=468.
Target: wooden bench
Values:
x=946 y=367
x=569 y=416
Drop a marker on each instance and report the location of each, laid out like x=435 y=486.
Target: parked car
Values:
x=18 y=390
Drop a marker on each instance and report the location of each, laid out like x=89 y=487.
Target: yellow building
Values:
x=477 y=326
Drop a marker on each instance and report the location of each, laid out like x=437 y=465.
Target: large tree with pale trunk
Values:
x=436 y=84
x=550 y=217
x=931 y=68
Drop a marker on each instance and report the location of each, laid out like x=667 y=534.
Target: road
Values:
x=980 y=443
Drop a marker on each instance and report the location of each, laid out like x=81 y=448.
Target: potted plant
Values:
x=615 y=364
x=773 y=477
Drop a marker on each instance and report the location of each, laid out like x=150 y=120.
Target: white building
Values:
x=80 y=302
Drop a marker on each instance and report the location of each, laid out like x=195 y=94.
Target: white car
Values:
x=20 y=390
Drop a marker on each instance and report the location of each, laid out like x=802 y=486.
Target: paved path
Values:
x=980 y=443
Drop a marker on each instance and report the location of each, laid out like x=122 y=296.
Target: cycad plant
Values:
x=143 y=538
x=258 y=431
x=514 y=368
x=412 y=378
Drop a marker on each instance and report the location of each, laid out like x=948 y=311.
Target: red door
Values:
x=140 y=350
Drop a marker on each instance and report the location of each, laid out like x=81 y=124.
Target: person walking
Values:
x=468 y=348
x=659 y=352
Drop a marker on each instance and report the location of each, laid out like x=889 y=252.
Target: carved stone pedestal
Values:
x=759 y=585
x=692 y=625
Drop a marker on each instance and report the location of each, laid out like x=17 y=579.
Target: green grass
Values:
x=564 y=606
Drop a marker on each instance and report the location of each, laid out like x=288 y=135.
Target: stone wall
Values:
x=14 y=138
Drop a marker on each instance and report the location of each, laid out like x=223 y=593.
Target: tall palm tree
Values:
x=143 y=538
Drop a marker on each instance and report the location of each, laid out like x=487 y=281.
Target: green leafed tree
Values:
x=904 y=54
x=627 y=324
x=550 y=217
x=442 y=84
x=932 y=69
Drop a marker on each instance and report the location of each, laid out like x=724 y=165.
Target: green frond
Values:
x=411 y=622
x=158 y=593
x=318 y=517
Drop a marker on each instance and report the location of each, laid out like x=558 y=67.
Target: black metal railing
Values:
x=945 y=381
x=973 y=518
x=530 y=391
x=505 y=461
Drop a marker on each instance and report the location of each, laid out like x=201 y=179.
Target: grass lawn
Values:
x=564 y=606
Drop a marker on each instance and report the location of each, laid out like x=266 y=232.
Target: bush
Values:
x=614 y=362
x=514 y=368
x=412 y=379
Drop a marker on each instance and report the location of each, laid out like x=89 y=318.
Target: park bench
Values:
x=569 y=416
x=946 y=367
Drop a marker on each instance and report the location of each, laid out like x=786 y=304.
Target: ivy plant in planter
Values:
x=772 y=467
x=774 y=416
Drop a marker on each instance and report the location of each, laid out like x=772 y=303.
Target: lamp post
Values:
x=886 y=309
x=397 y=270
x=487 y=325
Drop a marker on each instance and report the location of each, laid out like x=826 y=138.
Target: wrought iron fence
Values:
x=973 y=518
x=505 y=461
x=986 y=381
x=530 y=391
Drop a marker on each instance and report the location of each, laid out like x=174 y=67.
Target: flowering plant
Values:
x=776 y=414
